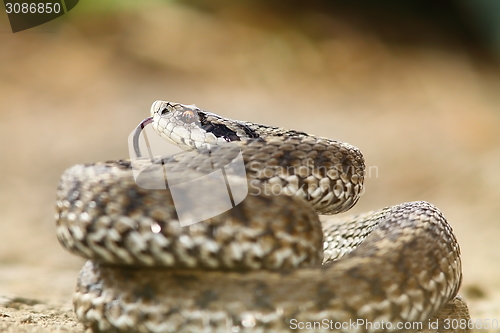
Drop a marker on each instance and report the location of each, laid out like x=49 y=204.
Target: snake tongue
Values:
x=137 y=133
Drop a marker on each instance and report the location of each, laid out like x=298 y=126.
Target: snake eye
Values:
x=188 y=116
x=164 y=111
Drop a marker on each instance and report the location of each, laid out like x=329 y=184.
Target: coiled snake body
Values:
x=258 y=266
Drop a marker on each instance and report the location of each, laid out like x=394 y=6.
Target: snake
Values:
x=274 y=261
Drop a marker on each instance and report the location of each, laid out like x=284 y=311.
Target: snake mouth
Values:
x=137 y=133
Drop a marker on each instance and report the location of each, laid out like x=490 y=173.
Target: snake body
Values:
x=266 y=265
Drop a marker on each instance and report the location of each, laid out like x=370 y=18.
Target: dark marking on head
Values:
x=219 y=130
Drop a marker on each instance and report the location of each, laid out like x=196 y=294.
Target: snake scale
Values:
x=268 y=264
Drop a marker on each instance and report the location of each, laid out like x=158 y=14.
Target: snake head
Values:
x=190 y=127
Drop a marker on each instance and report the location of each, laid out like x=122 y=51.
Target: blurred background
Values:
x=414 y=84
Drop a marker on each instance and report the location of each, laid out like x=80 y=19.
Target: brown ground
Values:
x=425 y=112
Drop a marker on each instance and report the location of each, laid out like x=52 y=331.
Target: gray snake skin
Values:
x=268 y=264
